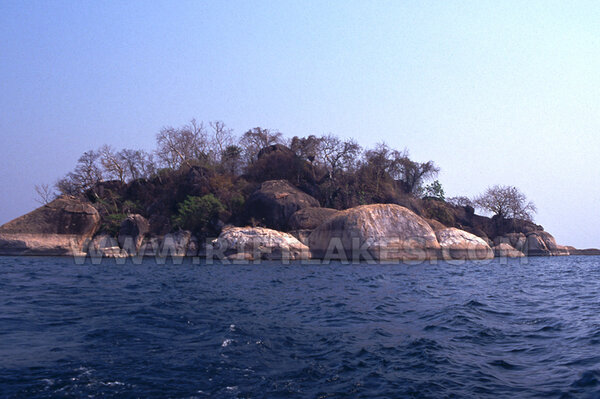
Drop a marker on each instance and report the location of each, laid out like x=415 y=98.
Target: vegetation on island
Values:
x=200 y=175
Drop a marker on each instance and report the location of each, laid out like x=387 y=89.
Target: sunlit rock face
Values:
x=459 y=244
x=377 y=232
x=504 y=250
x=255 y=243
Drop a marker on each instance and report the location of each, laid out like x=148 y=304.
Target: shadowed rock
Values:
x=133 y=230
x=541 y=243
x=435 y=225
x=516 y=240
x=587 y=251
x=62 y=227
x=310 y=218
x=275 y=201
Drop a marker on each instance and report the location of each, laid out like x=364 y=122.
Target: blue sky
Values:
x=494 y=92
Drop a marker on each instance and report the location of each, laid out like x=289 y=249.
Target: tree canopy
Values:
x=506 y=202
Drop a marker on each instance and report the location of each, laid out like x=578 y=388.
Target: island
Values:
x=203 y=193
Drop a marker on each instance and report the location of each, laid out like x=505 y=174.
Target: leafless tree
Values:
x=177 y=147
x=412 y=174
x=255 y=140
x=460 y=201
x=506 y=202
x=337 y=155
x=220 y=138
x=305 y=147
x=113 y=163
x=87 y=173
x=384 y=161
x=137 y=163
x=67 y=185
x=45 y=194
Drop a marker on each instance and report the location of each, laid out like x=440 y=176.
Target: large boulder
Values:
x=541 y=243
x=133 y=230
x=516 y=240
x=504 y=250
x=382 y=232
x=275 y=201
x=461 y=245
x=310 y=218
x=62 y=227
x=255 y=243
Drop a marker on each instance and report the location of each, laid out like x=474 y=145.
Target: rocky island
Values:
x=264 y=198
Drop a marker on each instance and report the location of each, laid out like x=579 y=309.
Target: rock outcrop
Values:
x=381 y=232
x=461 y=245
x=255 y=243
x=275 y=201
x=541 y=243
x=63 y=227
x=517 y=241
x=504 y=250
x=310 y=218
x=133 y=230
x=587 y=251
x=105 y=246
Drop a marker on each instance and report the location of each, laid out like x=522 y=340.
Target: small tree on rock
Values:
x=435 y=190
x=506 y=202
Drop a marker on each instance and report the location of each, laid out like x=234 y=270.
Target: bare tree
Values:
x=137 y=163
x=337 y=155
x=221 y=137
x=506 y=202
x=255 y=140
x=67 y=186
x=177 y=147
x=45 y=194
x=87 y=173
x=306 y=147
x=383 y=161
x=113 y=163
x=460 y=201
x=412 y=174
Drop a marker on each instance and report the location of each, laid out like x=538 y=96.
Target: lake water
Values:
x=494 y=329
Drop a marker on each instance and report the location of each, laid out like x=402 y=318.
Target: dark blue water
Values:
x=499 y=329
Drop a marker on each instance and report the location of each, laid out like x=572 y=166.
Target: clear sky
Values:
x=495 y=92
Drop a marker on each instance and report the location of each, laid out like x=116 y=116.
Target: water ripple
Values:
x=497 y=330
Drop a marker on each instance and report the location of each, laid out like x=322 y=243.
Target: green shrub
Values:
x=198 y=214
x=111 y=223
x=131 y=207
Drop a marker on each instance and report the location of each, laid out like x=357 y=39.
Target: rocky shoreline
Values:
x=294 y=227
